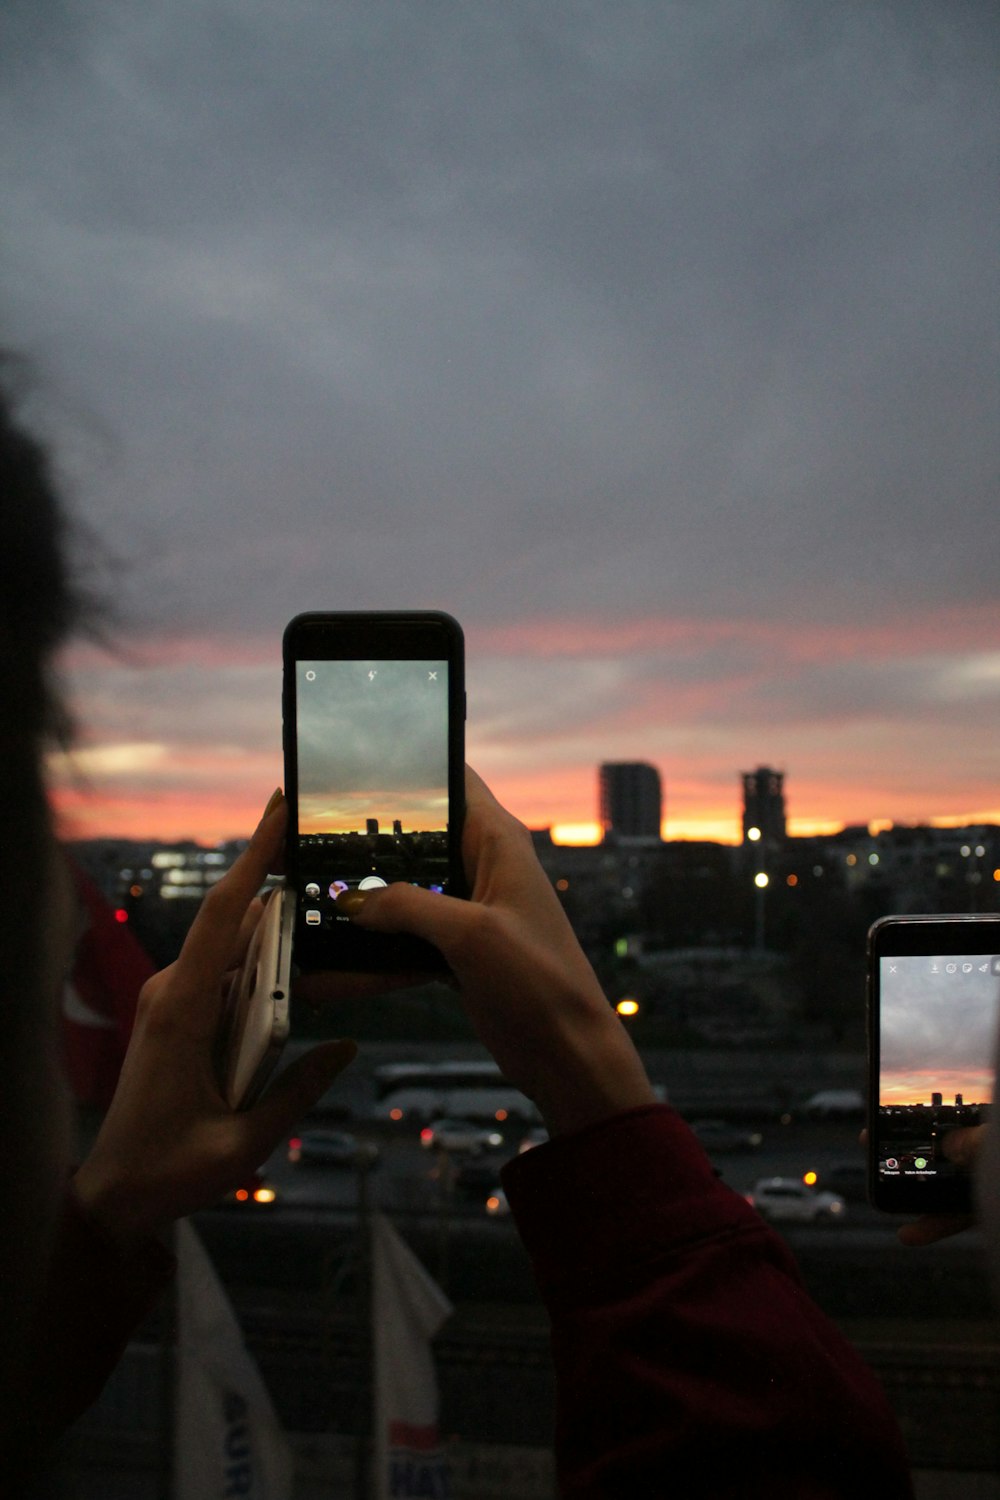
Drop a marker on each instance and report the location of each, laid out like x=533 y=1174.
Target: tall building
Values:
x=764 y=807
x=631 y=801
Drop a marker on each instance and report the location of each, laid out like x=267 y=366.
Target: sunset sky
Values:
x=656 y=342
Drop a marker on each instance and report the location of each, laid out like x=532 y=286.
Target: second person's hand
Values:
x=529 y=991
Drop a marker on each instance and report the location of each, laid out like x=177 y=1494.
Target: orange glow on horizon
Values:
x=576 y=835
x=916 y=1087
x=164 y=819
x=211 y=817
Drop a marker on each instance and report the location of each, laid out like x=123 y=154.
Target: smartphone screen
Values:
x=934 y=986
x=374 y=706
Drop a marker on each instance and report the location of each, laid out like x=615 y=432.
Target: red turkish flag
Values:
x=110 y=967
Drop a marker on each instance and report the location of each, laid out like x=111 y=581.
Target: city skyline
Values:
x=918 y=1085
x=318 y=815
x=101 y=791
x=657 y=344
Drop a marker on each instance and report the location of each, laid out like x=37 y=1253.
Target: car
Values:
x=833 y=1104
x=788 y=1200
x=410 y=1105
x=331 y=1148
x=718 y=1135
x=460 y=1135
x=253 y=1193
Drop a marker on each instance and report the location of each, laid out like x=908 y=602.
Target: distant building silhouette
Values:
x=631 y=801
x=764 y=806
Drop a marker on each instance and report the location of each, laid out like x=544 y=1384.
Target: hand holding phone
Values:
x=256 y=1017
x=526 y=984
x=933 y=988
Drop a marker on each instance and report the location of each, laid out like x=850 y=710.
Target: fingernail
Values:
x=276 y=798
x=352 y=903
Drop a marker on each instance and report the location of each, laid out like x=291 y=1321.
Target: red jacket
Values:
x=690 y=1360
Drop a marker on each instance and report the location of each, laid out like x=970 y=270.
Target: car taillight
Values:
x=427 y=1135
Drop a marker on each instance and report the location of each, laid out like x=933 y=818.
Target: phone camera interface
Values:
x=376 y=811
x=938 y=1015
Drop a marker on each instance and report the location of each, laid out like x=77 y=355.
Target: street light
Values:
x=761 y=881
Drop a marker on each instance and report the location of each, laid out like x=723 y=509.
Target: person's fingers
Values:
x=962 y=1146
x=248 y=926
x=933 y=1227
x=296 y=1090
x=439 y=919
x=215 y=930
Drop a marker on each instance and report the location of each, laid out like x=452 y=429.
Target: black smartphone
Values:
x=933 y=989
x=373 y=714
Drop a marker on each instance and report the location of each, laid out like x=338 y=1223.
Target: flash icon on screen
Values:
x=372 y=675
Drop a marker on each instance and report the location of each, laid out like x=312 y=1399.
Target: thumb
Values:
x=407 y=908
x=296 y=1090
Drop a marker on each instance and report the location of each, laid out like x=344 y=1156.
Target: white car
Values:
x=333 y=1148
x=834 y=1104
x=788 y=1200
x=460 y=1135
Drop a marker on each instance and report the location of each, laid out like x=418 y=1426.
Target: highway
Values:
x=411 y=1179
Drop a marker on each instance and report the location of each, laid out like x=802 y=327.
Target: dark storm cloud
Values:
x=946 y=1021
x=389 y=728
x=489 y=306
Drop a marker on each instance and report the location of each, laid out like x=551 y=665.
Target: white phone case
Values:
x=256 y=1016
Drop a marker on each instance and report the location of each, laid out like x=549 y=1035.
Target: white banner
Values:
x=228 y=1444
x=408 y=1308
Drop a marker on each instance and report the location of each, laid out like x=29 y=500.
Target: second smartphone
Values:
x=933 y=988
x=373 y=713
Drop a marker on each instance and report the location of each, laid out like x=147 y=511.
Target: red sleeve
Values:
x=689 y=1358
x=93 y=1299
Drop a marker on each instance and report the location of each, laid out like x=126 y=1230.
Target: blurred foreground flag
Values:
x=227 y=1440
x=408 y=1308
x=100 y=994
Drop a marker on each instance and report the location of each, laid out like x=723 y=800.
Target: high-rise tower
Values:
x=631 y=801
x=764 y=807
